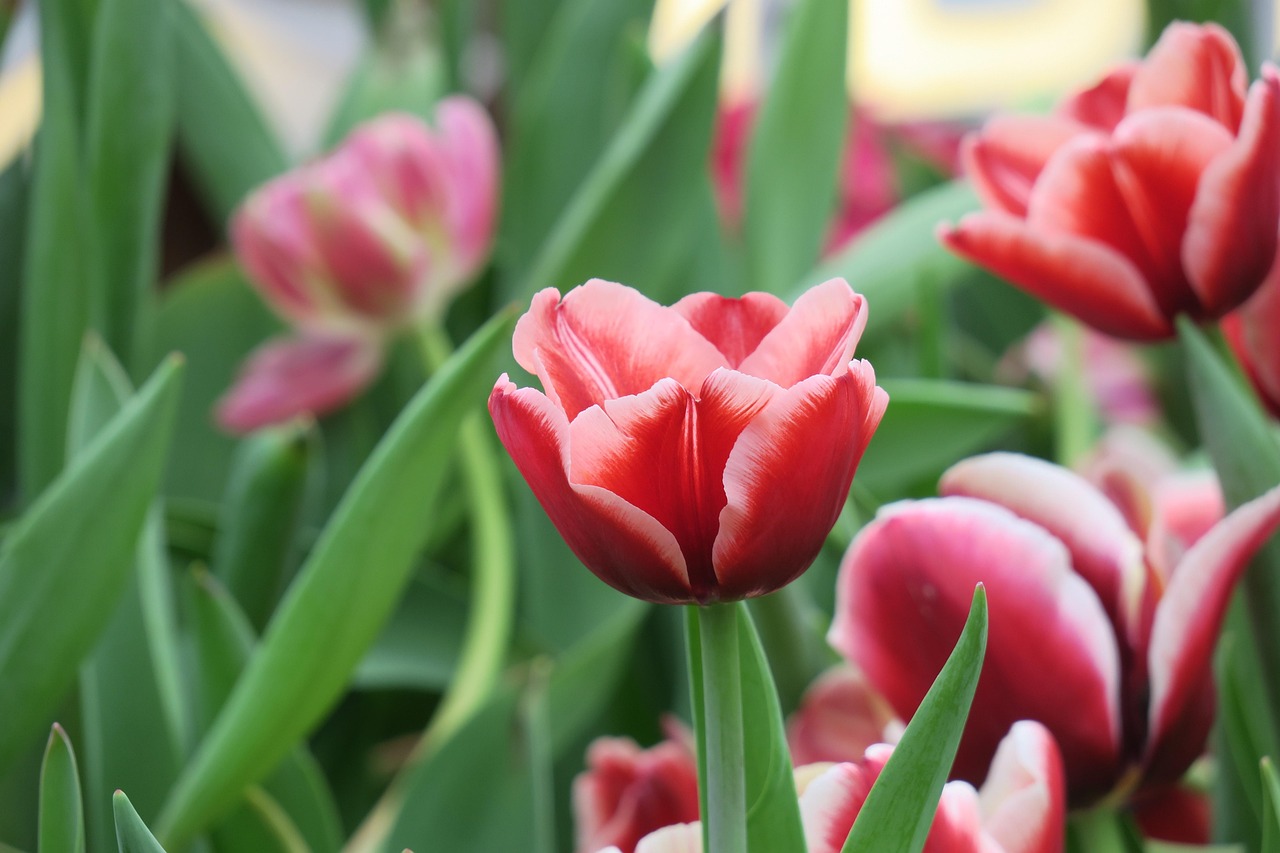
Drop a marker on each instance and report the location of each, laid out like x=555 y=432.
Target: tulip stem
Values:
x=1103 y=831
x=725 y=755
x=1075 y=417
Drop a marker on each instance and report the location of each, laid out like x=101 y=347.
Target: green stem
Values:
x=1103 y=831
x=1075 y=416
x=726 y=795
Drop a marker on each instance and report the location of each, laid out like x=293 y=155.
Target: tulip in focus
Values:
x=357 y=247
x=1087 y=635
x=697 y=453
x=1020 y=809
x=1152 y=194
x=627 y=792
x=1252 y=334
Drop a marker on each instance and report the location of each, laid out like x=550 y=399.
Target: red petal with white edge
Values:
x=1025 y=798
x=788 y=477
x=957 y=824
x=1231 y=234
x=1007 y=156
x=830 y=804
x=1251 y=333
x=818 y=335
x=1102 y=106
x=1196 y=66
x=1186 y=630
x=1082 y=277
x=605 y=340
x=838 y=718
x=664 y=453
x=623 y=546
x=902 y=598
x=289 y=377
x=677 y=838
x=735 y=326
x=1104 y=551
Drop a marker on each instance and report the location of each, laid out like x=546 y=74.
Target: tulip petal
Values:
x=1186 y=628
x=957 y=824
x=788 y=477
x=1231 y=233
x=1175 y=815
x=627 y=792
x=838 y=718
x=677 y=838
x=1082 y=277
x=468 y=140
x=624 y=546
x=605 y=340
x=1102 y=106
x=289 y=377
x=1104 y=551
x=278 y=251
x=734 y=326
x=1251 y=333
x=1024 y=799
x=818 y=335
x=406 y=160
x=830 y=804
x=1193 y=65
x=901 y=600
x=1007 y=156
x=664 y=453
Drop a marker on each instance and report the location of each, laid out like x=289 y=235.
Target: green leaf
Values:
x=15 y=184
x=793 y=158
x=133 y=717
x=223 y=136
x=1103 y=831
x=900 y=807
x=419 y=647
x=56 y=292
x=259 y=518
x=259 y=824
x=79 y=535
x=61 y=810
x=130 y=116
x=1245 y=733
x=931 y=424
x=654 y=171
x=889 y=260
x=331 y=614
x=132 y=835
x=1270 y=807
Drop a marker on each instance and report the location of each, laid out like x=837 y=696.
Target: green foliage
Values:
x=61 y=810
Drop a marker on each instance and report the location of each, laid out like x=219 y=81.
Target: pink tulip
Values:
x=1086 y=635
x=358 y=246
x=1251 y=333
x=839 y=717
x=1155 y=193
x=1020 y=809
x=696 y=453
x=627 y=792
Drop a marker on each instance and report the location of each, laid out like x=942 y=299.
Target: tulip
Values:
x=839 y=718
x=1153 y=194
x=1020 y=809
x=697 y=453
x=357 y=247
x=1251 y=333
x=1087 y=636
x=627 y=792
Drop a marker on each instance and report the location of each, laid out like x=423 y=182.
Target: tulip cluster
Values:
x=358 y=246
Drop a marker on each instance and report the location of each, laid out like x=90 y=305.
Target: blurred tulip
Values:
x=1020 y=809
x=868 y=181
x=1176 y=815
x=839 y=717
x=627 y=792
x=1252 y=334
x=1155 y=193
x=1087 y=636
x=358 y=246
x=696 y=453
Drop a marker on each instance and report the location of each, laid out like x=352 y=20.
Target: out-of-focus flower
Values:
x=358 y=246
x=1087 y=636
x=1116 y=376
x=1155 y=193
x=1177 y=814
x=627 y=792
x=696 y=453
x=839 y=717
x=1252 y=334
x=868 y=183
x=1020 y=809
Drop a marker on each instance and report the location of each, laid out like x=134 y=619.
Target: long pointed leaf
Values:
x=132 y=835
x=61 y=809
x=1270 y=808
x=342 y=597
x=900 y=808
x=80 y=535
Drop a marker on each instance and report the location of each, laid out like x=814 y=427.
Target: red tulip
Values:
x=1153 y=194
x=1086 y=635
x=1251 y=332
x=627 y=792
x=839 y=717
x=358 y=246
x=696 y=453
